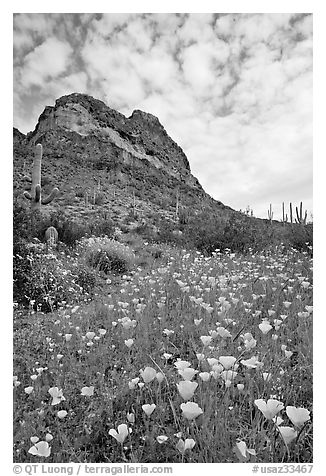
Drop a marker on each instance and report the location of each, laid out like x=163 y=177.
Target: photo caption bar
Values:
x=81 y=469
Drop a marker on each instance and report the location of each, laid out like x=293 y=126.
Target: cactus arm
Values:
x=50 y=197
x=38 y=193
x=291 y=214
x=27 y=178
x=27 y=195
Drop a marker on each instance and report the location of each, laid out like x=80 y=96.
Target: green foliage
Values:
x=99 y=198
x=69 y=231
x=101 y=226
x=25 y=223
x=43 y=280
x=238 y=232
x=86 y=278
x=107 y=255
x=300 y=237
x=237 y=292
x=184 y=216
x=80 y=192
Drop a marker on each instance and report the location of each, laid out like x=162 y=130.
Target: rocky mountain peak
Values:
x=141 y=133
x=150 y=120
x=92 y=150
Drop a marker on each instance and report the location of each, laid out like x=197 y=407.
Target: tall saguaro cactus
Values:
x=302 y=220
x=36 y=190
x=291 y=213
x=270 y=213
x=284 y=215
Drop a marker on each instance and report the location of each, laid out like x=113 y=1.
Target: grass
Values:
x=158 y=317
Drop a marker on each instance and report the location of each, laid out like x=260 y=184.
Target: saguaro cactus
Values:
x=36 y=190
x=51 y=236
x=291 y=214
x=270 y=213
x=302 y=220
x=285 y=215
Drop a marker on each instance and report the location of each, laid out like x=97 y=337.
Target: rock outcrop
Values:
x=90 y=148
x=141 y=135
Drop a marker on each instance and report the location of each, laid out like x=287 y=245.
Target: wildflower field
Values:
x=191 y=359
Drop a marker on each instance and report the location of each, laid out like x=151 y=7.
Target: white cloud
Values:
x=38 y=23
x=22 y=42
x=198 y=66
x=48 y=60
x=197 y=27
x=235 y=94
x=139 y=35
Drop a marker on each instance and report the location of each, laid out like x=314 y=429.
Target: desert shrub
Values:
x=43 y=280
x=22 y=269
x=103 y=226
x=26 y=224
x=99 y=198
x=167 y=232
x=207 y=231
x=69 y=231
x=242 y=233
x=86 y=279
x=155 y=251
x=184 y=216
x=80 y=192
x=300 y=237
x=107 y=255
x=146 y=231
x=46 y=180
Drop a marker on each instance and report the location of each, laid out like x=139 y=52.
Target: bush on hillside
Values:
x=86 y=279
x=300 y=237
x=43 y=280
x=26 y=224
x=107 y=255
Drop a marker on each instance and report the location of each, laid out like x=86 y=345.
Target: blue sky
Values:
x=233 y=90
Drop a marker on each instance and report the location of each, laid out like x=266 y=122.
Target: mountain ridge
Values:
x=103 y=161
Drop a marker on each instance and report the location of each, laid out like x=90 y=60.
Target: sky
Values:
x=233 y=90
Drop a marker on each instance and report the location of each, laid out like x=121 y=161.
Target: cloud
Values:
x=234 y=90
x=47 y=60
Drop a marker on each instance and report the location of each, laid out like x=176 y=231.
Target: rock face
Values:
x=91 y=148
x=141 y=135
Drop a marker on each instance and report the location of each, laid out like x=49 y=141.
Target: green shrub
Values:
x=80 y=193
x=86 y=279
x=107 y=255
x=156 y=252
x=102 y=226
x=99 y=198
x=69 y=231
x=26 y=224
x=300 y=237
x=43 y=280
